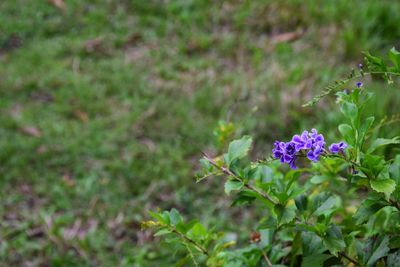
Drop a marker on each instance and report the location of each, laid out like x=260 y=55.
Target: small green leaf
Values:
x=175 y=217
x=301 y=203
x=380 y=250
x=362 y=131
x=394 y=169
x=394 y=56
x=333 y=240
x=372 y=165
x=244 y=197
x=239 y=148
x=162 y=232
x=368 y=208
x=326 y=206
x=264 y=174
x=318 y=179
x=350 y=110
x=315 y=260
x=197 y=232
x=379 y=142
x=285 y=214
x=347 y=132
x=312 y=243
x=374 y=63
x=232 y=185
x=386 y=186
x=393 y=259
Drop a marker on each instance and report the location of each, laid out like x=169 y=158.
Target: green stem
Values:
x=191 y=241
x=228 y=172
x=333 y=88
x=191 y=254
x=344 y=255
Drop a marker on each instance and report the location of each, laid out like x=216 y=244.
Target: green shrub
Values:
x=338 y=205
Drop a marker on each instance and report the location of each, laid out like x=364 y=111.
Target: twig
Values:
x=269 y=263
x=228 y=172
x=344 y=255
x=337 y=84
x=191 y=254
x=187 y=239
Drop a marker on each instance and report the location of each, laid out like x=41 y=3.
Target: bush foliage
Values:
x=335 y=206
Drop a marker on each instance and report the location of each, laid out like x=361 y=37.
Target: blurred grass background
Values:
x=106 y=106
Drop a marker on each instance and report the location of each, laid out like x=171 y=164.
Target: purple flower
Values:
x=310 y=142
x=302 y=141
x=359 y=84
x=279 y=150
x=317 y=139
x=337 y=147
x=286 y=152
x=314 y=154
x=360 y=66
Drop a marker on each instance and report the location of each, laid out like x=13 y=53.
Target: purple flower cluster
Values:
x=311 y=143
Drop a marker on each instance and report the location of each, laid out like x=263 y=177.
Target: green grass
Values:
x=105 y=108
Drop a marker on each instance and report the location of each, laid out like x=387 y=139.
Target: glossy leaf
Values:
x=386 y=186
x=239 y=148
x=233 y=185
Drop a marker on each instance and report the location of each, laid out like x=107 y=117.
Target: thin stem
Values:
x=194 y=243
x=228 y=172
x=333 y=87
x=269 y=263
x=191 y=254
x=344 y=255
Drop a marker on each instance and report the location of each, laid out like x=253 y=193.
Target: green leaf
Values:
x=394 y=56
x=379 y=142
x=386 y=186
x=157 y=216
x=362 y=131
x=348 y=134
x=244 y=197
x=312 y=243
x=197 y=232
x=381 y=249
x=232 y=185
x=239 y=148
x=394 y=169
x=393 y=259
x=333 y=240
x=285 y=214
x=326 y=206
x=315 y=260
x=301 y=203
x=350 y=110
x=318 y=179
x=162 y=232
x=175 y=217
x=368 y=208
x=374 y=63
x=264 y=174
x=372 y=165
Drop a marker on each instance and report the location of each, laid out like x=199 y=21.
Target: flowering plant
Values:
x=337 y=205
x=311 y=143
